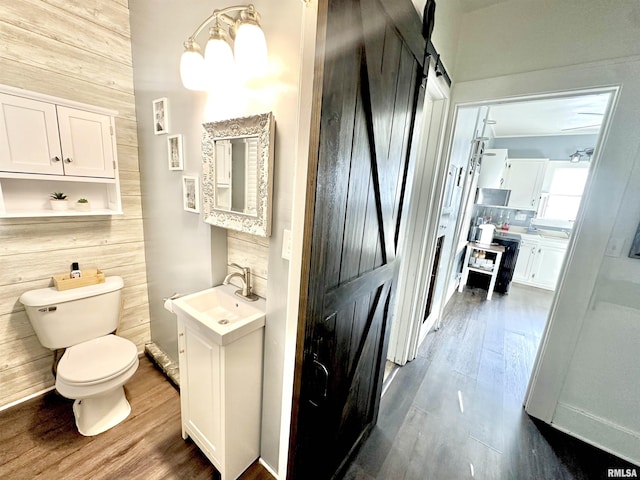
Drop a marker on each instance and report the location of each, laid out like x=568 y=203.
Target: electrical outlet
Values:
x=521 y=217
x=614 y=247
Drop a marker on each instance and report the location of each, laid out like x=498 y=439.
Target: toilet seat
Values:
x=97 y=360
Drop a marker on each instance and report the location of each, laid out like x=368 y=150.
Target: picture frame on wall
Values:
x=160 y=116
x=191 y=193
x=174 y=152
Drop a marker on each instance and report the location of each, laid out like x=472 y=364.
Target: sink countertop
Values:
x=225 y=314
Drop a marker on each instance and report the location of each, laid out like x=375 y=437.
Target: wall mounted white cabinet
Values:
x=539 y=261
x=49 y=144
x=493 y=168
x=220 y=395
x=524 y=178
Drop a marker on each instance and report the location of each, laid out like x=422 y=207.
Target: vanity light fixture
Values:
x=200 y=72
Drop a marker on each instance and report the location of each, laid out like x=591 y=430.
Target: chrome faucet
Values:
x=245 y=277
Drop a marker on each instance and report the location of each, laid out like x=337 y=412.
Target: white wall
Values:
x=446 y=30
x=178 y=244
x=586 y=376
x=553 y=147
x=184 y=254
x=517 y=36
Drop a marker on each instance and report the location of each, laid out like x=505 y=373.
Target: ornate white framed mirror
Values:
x=237 y=173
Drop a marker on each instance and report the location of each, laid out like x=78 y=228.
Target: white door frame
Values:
x=419 y=228
x=577 y=281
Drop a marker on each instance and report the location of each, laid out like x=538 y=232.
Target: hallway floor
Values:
x=456 y=411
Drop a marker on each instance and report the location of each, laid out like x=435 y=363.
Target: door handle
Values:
x=55 y=159
x=319 y=382
x=67 y=160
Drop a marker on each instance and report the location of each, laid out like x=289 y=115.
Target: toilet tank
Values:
x=68 y=317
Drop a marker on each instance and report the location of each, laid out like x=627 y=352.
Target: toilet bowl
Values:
x=96 y=363
x=93 y=373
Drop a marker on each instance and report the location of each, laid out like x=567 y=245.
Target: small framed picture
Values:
x=174 y=152
x=190 y=194
x=160 y=116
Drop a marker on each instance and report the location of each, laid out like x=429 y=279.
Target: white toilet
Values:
x=96 y=364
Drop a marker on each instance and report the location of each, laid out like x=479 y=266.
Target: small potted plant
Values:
x=58 y=201
x=83 y=205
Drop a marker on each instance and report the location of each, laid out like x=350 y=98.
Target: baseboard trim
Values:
x=269 y=468
x=597 y=431
x=164 y=363
x=28 y=397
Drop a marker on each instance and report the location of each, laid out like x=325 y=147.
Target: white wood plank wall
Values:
x=249 y=251
x=78 y=50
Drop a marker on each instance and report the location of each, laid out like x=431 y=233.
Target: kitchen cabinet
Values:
x=220 y=395
x=524 y=177
x=526 y=255
x=540 y=261
x=50 y=144
x=493 y=168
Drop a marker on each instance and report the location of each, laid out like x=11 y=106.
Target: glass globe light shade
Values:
x=250 y=50
x=218 y=59
x=192 y=68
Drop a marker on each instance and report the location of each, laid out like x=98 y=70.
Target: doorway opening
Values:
x=539 y=151
x=475 y=370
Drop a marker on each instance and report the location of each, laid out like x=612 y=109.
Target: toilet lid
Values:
x=97 y=360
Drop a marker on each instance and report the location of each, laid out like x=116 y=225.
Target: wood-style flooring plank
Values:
x=456 y=410
x=39 y=439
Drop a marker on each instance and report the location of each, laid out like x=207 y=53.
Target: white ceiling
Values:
x=578 y=115
x=581 y=115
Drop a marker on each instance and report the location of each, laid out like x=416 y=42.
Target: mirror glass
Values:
x=237 y=179
x=236 y=187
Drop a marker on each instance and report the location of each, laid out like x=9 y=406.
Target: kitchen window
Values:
x=562 y=200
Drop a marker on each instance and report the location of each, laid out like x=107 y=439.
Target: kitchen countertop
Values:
x=519 y=233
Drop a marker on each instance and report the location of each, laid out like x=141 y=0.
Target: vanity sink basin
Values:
x=228 y=316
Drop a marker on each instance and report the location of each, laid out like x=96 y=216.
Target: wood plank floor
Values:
x=455 y=412
x=39 y=440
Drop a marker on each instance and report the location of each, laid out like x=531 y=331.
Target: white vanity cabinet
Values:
x=49 y=144
x=540 y=261
x=524 y=177
x=220 y=395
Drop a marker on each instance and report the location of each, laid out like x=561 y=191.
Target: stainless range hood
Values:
x=493 y=196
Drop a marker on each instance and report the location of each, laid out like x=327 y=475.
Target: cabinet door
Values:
x=493 y=168
x=29 y=140
x=87 y=146
x=200 y=388
x=547 y=266
x=524 y=262
x=524 y=178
